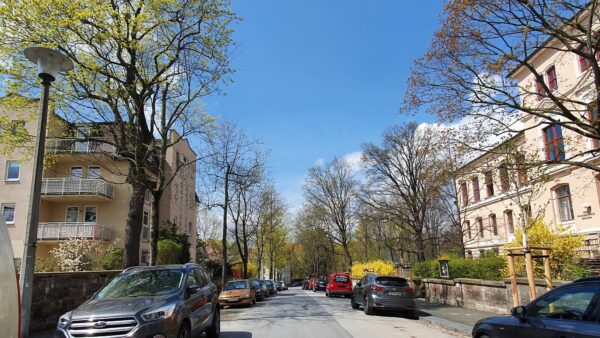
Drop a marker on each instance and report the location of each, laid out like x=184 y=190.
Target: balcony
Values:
x=56 y=231
x=75 y=145
x=77 y=187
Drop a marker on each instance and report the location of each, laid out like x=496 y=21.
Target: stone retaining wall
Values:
x=494 y=296
x=55 y=293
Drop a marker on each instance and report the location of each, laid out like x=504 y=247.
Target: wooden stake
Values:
x=513 y=279
x=547 y=270
x=530 y=276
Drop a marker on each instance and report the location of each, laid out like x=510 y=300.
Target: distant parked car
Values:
x=263 y=286
x=311 y=282
x=260 y=290
x=305 y=284
x=238 y=292
x=296 y=282
x=148 y=301
x=376 y=292
x=319 y=284
x=283 y=285
x=270 y=287
x=278 y=285
x=571 y=310
x=340 y=284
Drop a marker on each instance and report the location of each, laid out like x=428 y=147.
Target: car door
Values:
x=194 y=301
x=207 y=299
x=561 y=314
x=359 y=289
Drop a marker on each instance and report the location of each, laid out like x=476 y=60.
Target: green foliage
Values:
x=169 y=231
x=169 y=252
x=563 y=254
x=488 y=267
x=113 y=260
x=379 y=267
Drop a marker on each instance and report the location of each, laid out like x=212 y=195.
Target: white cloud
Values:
x=354 y=159
x=319 y=162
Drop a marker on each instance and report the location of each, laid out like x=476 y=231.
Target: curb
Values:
x=448 y=325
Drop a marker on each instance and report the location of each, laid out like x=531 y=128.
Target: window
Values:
x=504 y=180
x=464 y=194
x=467 y=226
x=479 y=222
x=8 y=213
x=146 y=226
x=90 y=214
x=552 y=81
x=72 y=215
x=595 y=122
x=489 y=184
x=475 y=182
x=539 y=89
x=13 y=171
x=584 y=63
x=16 y=126
x=494 y=224
x=508 y=218
x=521 y=171
x=553 y=140
x=564 y=204
x=144 y=259
x=573 y=303
x=147 y=197
x=76 y=172
x=94 y=172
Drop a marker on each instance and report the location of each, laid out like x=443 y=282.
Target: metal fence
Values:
x=73 y=230
x=77 y=186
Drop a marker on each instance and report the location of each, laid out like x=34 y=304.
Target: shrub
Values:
x=488 y=267
x=113 y=260
x=378 y=266
x=169 y=252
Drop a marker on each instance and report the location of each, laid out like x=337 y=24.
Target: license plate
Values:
x=232 y=300
x=395 y=293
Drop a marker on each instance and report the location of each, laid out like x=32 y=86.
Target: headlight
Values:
x=64 y=320
x=163 y=312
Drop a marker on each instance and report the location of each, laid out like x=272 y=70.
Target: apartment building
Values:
x=84 y=190
x=495 y=198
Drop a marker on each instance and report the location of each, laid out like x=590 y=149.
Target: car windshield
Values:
x=391 y=281
x=340 y=279
x=237 y=285
x=142 y=283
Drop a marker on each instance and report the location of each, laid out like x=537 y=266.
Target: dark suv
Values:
x=158 y=301
x=571 y=310
x=391 y=293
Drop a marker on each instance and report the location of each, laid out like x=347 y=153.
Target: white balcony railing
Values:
x=73 y=230
x=77 y=186
x=75 y=145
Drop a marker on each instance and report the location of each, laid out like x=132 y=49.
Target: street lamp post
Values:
x=50 y=63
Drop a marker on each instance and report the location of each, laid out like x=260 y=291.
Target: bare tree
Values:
x=333 y=191
x=404 y=177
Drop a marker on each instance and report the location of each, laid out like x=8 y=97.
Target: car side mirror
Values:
x=193 y=289
x=518 y=312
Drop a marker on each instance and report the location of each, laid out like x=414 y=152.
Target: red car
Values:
x=339 y=284
x=311 y=282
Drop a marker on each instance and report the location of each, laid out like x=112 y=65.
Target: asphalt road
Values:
x=297 y=313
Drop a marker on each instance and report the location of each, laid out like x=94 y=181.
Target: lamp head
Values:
x=49 y=61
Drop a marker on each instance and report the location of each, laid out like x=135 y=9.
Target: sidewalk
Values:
x=456 y=319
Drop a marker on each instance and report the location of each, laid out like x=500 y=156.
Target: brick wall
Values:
x=55 y=293
x=494 y=296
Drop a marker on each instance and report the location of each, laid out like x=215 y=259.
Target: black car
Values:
x=320 y=284
x=391 y=293
x=148 y=301
x=260 y=290
x=271 y=288
x=571 y=310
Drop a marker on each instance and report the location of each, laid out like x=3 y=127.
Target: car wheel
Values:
x=353 y=304
x=184 y=330
x=412 y=314
x=215 y=329
x=327 y=294
x=368 y=309
x=254 y=300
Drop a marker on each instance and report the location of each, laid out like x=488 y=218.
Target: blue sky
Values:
x=317 y=78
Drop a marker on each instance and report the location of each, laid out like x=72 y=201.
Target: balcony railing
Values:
x=75 y=145
x=73 y=230
x=76 y=186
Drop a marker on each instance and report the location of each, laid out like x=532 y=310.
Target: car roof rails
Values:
x=130 y=268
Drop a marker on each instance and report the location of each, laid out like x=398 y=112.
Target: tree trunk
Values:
x=419 y=244
x=225 y=207
x=133 y=227
x=154 y=230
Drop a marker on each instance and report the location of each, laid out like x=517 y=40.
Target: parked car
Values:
x=340 y=284
x=270 y=287
x=264 y=286
x=148 y=301
x=311 y=282
x=305 y=283
x=283 y=285
x=278 y=285
x=571 y=310
x=260 y=290
x=375 y=292
x=238 y=292
x=319 y=284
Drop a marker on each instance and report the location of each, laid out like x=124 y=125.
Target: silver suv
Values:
x=158 y=301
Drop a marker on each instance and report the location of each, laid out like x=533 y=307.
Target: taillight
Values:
x=377 y=288
x=409 y=290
